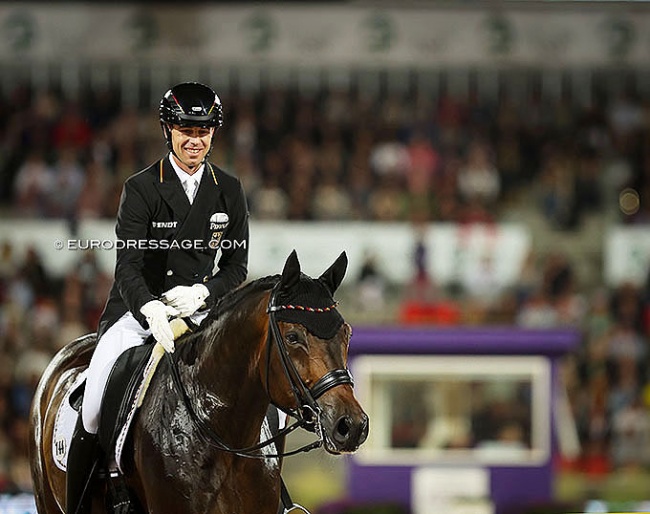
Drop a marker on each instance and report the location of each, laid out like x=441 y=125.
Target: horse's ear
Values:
x=333 y=276
x=291 y=271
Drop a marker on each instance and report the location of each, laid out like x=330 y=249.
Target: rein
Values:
x=308 y=413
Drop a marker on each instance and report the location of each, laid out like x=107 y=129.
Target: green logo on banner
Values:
x=260 y=32
x=381 y=32
x=620 y=36
x=19 y=30
x=143 y=28
x=500 y=34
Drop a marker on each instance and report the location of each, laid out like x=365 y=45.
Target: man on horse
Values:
x=183 y=231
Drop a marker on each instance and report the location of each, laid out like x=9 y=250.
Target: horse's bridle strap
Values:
x=332 y=379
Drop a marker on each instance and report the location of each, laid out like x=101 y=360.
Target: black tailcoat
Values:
x=164 y=241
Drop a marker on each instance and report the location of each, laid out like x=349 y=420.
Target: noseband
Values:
x=308 y=412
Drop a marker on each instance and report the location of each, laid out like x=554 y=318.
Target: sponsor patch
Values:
x=164 y=224
x=218 y=224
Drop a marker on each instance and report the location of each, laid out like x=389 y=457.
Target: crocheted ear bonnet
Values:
x=310 y=302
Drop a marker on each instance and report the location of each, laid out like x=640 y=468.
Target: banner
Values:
x=323 y=35
x=452 y=254
x=627 y=256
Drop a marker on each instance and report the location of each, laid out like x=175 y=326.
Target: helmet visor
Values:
x=190 y=120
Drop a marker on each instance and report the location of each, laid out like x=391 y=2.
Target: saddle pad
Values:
x=64 y=423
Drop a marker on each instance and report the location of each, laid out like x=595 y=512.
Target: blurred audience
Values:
x=339 y=156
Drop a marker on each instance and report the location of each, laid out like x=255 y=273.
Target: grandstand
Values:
x=484 y=166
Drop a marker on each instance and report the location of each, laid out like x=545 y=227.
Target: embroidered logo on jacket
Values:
x=218 y=224
x=164 y=224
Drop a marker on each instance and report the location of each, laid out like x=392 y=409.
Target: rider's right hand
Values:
x=158 y=314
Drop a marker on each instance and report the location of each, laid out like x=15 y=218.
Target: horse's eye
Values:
x=292 y=338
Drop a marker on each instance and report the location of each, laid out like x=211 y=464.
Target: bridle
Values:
x=308 y=412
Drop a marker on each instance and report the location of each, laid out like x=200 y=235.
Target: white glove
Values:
x=187 y=299
x=157 y=314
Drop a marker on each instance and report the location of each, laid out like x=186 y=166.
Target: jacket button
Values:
x=169 y=273
x=195 y=275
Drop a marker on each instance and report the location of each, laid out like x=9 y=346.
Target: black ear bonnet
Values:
x=310 y=304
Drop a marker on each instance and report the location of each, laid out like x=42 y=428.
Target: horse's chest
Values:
x=231 y=485
x=198 y=478
x=206 y=480
x=250 y=487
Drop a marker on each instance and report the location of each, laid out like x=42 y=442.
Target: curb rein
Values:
x=307 y=415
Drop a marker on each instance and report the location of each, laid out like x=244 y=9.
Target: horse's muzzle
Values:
x=347 y=433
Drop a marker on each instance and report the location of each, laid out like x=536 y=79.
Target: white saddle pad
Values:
x=66 y=419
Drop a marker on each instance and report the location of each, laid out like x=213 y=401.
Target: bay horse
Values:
x=195 y=441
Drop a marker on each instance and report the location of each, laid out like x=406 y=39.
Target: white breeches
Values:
x=125 y=333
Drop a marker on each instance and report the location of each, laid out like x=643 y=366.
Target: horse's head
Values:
x=309 y=363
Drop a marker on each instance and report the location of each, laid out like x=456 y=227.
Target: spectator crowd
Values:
x=341 y=155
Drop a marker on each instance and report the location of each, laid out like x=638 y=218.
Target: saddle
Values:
x=125 y=389
x=120 y=396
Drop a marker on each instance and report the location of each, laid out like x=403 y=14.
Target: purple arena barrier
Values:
x=510 y=487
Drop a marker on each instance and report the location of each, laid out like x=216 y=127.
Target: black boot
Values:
x=82 y=461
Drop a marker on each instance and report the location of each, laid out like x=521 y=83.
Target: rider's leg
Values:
x=82 y=460
x=83 y=453
x=125 y=333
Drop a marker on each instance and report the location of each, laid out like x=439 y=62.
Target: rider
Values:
x=173 y=223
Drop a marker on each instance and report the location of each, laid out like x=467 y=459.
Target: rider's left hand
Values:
x=187 y=299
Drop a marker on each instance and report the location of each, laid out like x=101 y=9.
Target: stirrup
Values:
x=296 y=507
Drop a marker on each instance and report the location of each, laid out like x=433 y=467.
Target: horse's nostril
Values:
x=364 y=430
x=342 y=430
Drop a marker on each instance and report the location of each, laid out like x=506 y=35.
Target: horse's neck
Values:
x=227 y=375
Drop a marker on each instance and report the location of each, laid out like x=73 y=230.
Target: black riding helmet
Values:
x=189 y=104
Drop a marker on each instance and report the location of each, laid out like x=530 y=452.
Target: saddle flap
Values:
x=120 y=394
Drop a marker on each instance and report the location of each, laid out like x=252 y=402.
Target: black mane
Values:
x=235 y=297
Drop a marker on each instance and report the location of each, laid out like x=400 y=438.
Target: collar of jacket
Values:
x=171 y=189
x=166 y=170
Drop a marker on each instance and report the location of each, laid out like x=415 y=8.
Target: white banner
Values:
x=23 y=503
x=627 y=256
x=322 y=35
x=454 y=253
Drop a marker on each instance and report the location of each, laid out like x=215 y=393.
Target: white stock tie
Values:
x=190 y=189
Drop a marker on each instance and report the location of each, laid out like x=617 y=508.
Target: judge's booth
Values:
x=462 y=420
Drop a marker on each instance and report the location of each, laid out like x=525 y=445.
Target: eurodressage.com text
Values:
x=148 y=244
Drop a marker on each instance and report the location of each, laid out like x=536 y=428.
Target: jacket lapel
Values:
x=207 y=188
x=171 y=189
